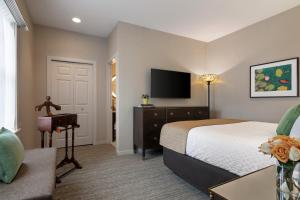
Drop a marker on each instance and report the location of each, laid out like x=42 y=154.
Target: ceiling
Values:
x=204 y=20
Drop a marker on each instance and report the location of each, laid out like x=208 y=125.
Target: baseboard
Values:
x=101 y=142
x=125 y=152
x=114 y=144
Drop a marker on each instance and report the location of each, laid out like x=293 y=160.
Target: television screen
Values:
x=170 y=84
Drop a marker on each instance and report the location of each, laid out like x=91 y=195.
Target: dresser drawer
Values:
x=152 y=141
x=154 y=125
x=200 y=113
x=179 y=114
x=154 y=114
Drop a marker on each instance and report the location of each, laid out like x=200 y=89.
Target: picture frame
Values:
x=275 y=79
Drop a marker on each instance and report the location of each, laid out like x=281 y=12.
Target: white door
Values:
x=71 y=87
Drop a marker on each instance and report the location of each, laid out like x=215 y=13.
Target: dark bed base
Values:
x=199 y=174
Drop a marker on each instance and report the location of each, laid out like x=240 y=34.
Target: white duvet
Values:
x=233 y=147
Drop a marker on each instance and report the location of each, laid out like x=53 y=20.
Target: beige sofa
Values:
x=35 y=179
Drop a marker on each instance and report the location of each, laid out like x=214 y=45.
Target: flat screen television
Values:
x=170 y=84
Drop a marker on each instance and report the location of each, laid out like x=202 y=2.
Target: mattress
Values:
x=233 y=147
x=174 y=135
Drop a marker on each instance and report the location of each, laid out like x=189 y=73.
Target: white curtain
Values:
x=8 y=68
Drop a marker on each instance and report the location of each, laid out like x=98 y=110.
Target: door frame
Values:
x=94 y=86
x=109 y=100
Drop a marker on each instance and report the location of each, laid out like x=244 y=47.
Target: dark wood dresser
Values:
x=148 y=122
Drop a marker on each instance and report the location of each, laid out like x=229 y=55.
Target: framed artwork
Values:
x=275 y=79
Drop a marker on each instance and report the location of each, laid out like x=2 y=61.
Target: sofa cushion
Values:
x=36 y=177
x=11 y=156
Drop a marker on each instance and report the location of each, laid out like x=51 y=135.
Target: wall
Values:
x=113 y=43
x=55 y=42
x=139 y=49
x=26 y=77
x=231 y=56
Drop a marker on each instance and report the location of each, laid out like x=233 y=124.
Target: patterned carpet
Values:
x=110 y=177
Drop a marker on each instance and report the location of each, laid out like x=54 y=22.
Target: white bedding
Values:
x=233 y=147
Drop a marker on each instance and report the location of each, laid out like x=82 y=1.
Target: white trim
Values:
x=17 y=131
x=108 y=107
x=94 y=86
x=16 y=13
x=113 y=144
x=125 y=152
x=101 y=142
x=108 y=104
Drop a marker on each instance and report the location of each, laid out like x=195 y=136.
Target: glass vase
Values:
x=288 y=181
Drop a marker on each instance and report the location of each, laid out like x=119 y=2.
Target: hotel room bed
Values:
x=208 y=152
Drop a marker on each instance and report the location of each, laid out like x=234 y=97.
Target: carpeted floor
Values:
x=110 y=177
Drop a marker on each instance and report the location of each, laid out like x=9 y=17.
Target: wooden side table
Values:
x=63 y=122
x=259 y=185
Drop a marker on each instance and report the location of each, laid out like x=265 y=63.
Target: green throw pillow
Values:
x=11 y=155
x=287 y=121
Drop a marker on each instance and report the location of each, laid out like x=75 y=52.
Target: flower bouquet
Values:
x=287 y=152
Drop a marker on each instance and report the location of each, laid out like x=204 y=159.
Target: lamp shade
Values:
x=209 y=77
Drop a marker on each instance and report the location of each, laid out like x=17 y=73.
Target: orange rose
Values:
x=286 y=140
x=292 y=142
x=280 y=137
x=281 y=152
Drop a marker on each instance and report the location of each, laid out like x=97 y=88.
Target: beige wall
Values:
x=55 y=42
x=113 y=43
x=139 y=49
x=273 y=39
x=26 y=77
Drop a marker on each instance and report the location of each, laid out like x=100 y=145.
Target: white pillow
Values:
x=295 y=131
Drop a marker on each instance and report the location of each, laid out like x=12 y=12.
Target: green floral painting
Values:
x=273 y=78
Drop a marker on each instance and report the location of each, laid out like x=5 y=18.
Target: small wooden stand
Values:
x=68 y=160
x=51 y=123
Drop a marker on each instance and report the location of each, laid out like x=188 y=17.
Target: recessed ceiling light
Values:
x=76 y=20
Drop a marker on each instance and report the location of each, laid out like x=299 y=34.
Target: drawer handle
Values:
x=155 y=125
x=171 y=113
x=155 y=114
x=155 y=138
x=188 y=113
